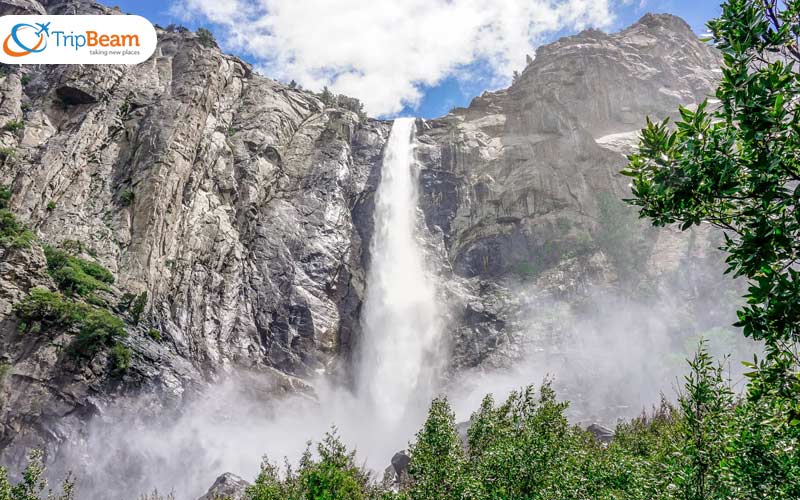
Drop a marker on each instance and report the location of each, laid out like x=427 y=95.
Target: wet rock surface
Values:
x=228 y=486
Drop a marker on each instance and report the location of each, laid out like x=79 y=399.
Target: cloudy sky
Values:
x=401 y=57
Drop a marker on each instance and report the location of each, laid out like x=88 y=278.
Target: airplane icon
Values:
x=43 y=28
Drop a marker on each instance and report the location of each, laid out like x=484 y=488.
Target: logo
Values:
x=40 y=32
x=113 y=39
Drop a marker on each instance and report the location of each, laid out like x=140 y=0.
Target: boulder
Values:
x=228 y=486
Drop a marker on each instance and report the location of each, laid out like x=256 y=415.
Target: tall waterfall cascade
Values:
x=400 y=324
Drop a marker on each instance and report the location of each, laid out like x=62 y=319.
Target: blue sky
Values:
x=430 y=91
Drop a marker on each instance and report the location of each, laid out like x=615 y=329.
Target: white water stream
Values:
x=398 y=359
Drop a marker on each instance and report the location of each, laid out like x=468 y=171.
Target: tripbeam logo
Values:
x=76 y=39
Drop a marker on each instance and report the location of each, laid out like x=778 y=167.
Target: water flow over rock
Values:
x=399 y=319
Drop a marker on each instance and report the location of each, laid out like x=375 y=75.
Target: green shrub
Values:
x=98 y=330
x=268 y=485
x=138 y=307
x=14 y=125
x=526 y=446
x=120 y=357
x=25 y=79
x=42 y=306
x=125 y=302
x=206 y=38
x=96 y=300
x=327 y=97
x=5 y=196
x=333 y=476
x=97 y=327
x=154 y=334
x=13 y=234
x=353 y=104
x=6 y=153
x=127 y=197
x=74 y=275
x=33 y=483
x=51 y=205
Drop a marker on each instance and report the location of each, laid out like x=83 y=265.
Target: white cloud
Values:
x=383 y=51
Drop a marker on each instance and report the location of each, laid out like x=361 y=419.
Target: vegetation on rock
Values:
x=13 y=234
x=14 y=125
x=76 y=276
x=206 y=38
x=6 y=152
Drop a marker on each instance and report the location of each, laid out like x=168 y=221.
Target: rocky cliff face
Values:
x=242 y=208
x=225 y=196
x=522 y=185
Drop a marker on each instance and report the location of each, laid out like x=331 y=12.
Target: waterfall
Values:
x=399 y=320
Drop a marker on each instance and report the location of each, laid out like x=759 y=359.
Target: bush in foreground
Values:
x=33 y=485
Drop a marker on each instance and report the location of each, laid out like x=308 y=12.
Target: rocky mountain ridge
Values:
x=241 y=207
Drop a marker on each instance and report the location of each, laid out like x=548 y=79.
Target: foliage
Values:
x=51 y=205
x=154 y=334
x=98 y=329
x=120 y=357
x=327 y=97
x=331 y=477
x=14 y=125
x=126 y=301
x=437 y=458
x=51 y=309
x=33 y=484
x=13 y=234
x=127 y=197
x=268 y=485
x=206 y=38
x=138 y=307
x=707 y=407
x=710 y=446
x=352 y=104
x=736 y=167
x=76 y=276
x=334 y=475
x=25 y=79
x=6 y=152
